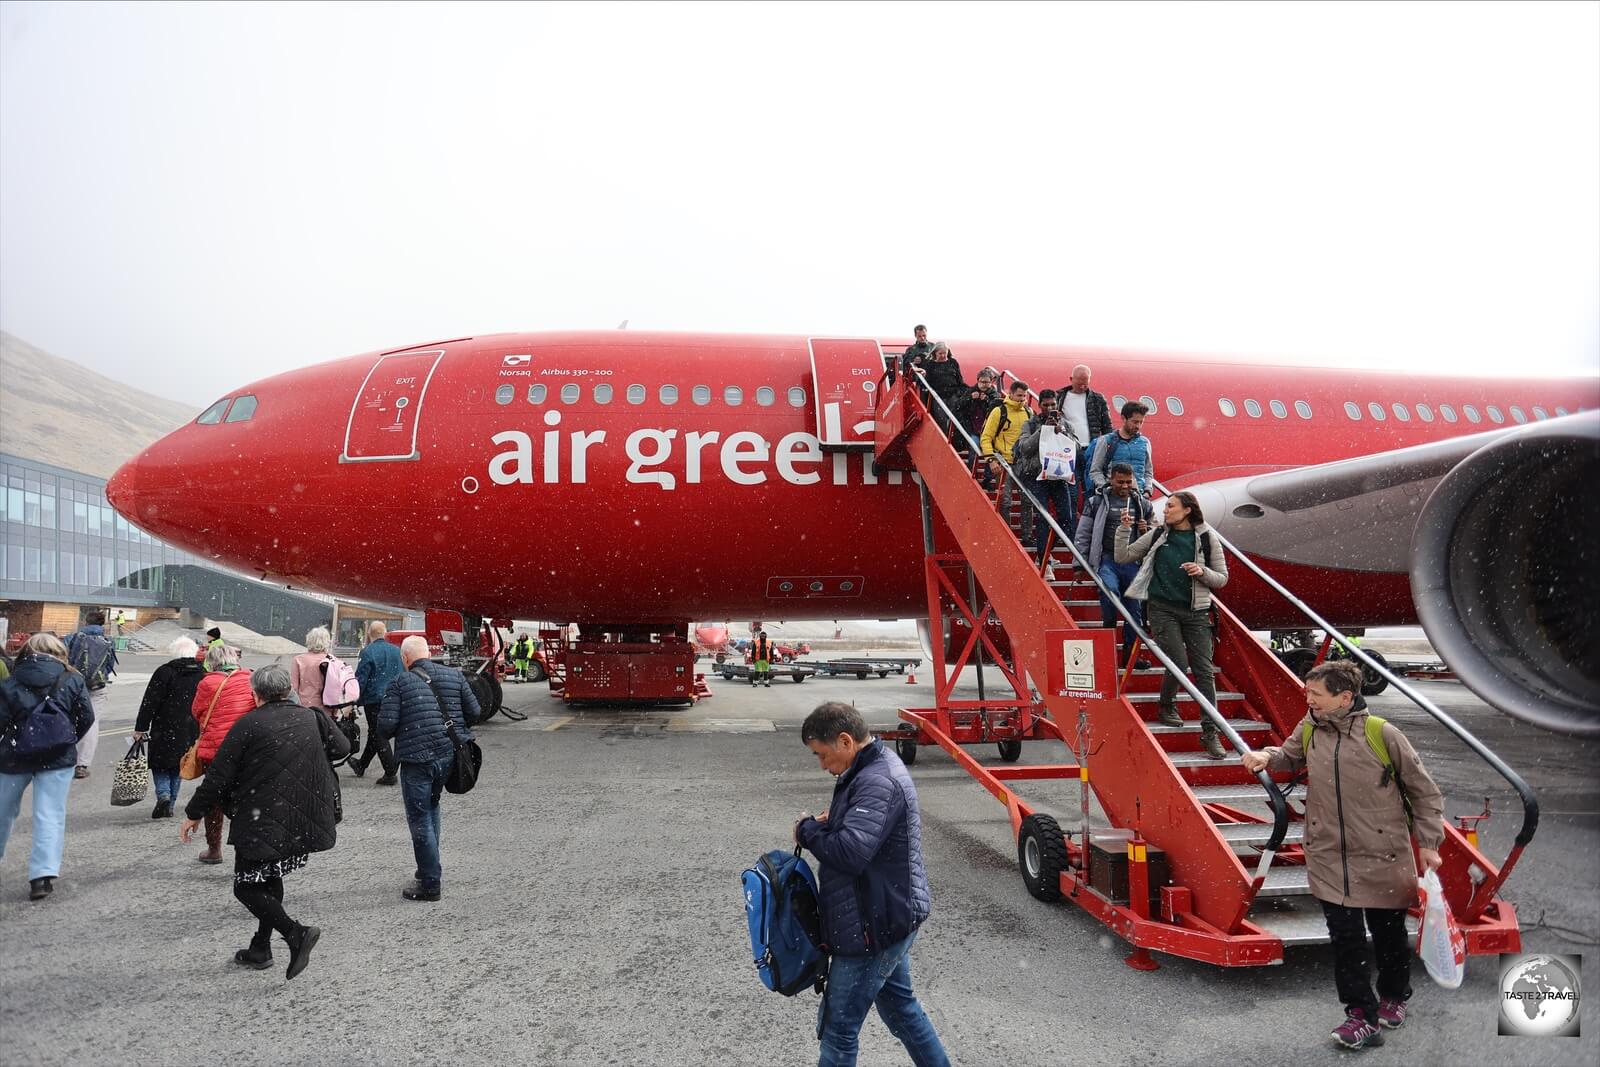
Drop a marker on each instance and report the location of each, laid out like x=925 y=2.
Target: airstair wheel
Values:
x=1042 y=855
x=1010 y=751
x=907 y=751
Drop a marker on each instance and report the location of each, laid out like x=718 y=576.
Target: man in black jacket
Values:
x=874 y=890
x=273 y=769
x=915 y=354
x=1087 y=413
x=413 y=713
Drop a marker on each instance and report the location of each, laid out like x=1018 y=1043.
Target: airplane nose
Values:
x=120 y=488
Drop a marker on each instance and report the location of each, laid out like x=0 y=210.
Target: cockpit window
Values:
x=213 y=414
x=244 y=407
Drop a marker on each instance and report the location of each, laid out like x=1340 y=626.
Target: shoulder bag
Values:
x=467 y=757
x=189 y=767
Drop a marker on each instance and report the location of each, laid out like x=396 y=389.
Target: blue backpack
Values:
x=46 y=731
x=780 y=903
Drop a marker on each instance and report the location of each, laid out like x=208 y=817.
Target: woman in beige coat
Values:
x=1358 y=843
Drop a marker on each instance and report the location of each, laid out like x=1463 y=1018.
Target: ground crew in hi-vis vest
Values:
x=761 y=657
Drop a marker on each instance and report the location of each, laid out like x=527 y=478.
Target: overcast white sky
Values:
x=194 y=196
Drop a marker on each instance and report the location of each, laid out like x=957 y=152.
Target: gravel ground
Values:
x=592 y=915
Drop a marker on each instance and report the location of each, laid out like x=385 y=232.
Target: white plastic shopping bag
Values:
x=1057 y=454
x=1440 y=942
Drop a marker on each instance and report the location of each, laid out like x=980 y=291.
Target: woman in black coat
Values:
x=273 y=778
x=166 y=720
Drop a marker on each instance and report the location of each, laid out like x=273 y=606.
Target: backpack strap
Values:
x=449 y=723
x=1380 y=748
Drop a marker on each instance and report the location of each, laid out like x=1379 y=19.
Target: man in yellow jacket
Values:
x=1000 y=433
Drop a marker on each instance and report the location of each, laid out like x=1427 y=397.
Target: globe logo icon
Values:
x=1538 y=996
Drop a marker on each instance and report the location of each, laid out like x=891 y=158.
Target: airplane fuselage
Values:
x=663 y=478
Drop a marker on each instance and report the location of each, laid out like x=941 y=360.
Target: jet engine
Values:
x=1505 y=572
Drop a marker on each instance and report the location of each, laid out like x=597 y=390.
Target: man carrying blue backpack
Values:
x=874 y=889
x=1127 y=444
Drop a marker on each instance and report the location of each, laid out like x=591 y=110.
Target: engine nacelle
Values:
x=1505 y=572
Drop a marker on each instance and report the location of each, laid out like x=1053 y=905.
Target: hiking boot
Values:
x=388 y=779
x=257 y=958
x=1169 y=717
x=210 y=856
x=1391 y=1013
x=39 y=888
x=301 y=939
x=357 y=768
x=417 y=891
x=80 y=771
x=163 y=810
x=1211 y=741
x=1357 y=1031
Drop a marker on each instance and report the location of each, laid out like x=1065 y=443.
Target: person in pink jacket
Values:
x=306 y=674
x=222 y=696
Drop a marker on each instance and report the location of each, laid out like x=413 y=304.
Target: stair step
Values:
x=1257 y=833
x=1200 y=759
x=1290 y=881
x=1155 y=698
x=1242 y=726
x=1299 y=922
x=1233 y=794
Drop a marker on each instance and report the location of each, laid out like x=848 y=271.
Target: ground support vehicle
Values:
x=799 y=672
x=629 y=665
x=861 y=668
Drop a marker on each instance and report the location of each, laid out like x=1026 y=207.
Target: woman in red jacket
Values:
x=223 y=695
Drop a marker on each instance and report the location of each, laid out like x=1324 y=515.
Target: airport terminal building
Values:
x=64 y=552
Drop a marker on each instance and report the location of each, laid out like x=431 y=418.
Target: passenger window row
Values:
x=1446 y=412
x=603 y=393
x=1375 y=410
x=1253 y=408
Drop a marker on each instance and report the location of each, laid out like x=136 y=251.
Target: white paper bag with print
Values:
x=1058 y=452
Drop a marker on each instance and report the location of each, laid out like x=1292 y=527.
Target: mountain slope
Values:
x=54 y=410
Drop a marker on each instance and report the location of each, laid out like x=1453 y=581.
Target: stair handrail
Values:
x=1275 y=797
x=1530 y=802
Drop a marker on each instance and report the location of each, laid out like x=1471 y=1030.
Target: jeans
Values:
x=1059 y=494
x=1390 y=942
x=49 y=816
x=91 y=740
x=421 y=785
x=855 y=984
x=1117 y=577
x=167 y=784
x=376 y=746
x=1184 y=634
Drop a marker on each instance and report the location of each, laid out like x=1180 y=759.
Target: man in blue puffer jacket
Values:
x=874 y=891
x=411 y=714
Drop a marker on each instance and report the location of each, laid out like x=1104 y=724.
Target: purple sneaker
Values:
x=1357 y=1031
x=1391 y=1013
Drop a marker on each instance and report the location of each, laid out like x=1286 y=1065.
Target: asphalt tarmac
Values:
x=592 y=915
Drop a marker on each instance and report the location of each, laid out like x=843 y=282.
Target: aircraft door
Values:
x=846 y=374
x=384 y=418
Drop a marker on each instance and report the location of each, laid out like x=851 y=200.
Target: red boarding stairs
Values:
x=1201 y=858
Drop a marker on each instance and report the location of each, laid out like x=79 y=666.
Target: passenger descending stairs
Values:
x=1210 y=817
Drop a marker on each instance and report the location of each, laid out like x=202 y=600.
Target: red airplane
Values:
x=582 y=476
